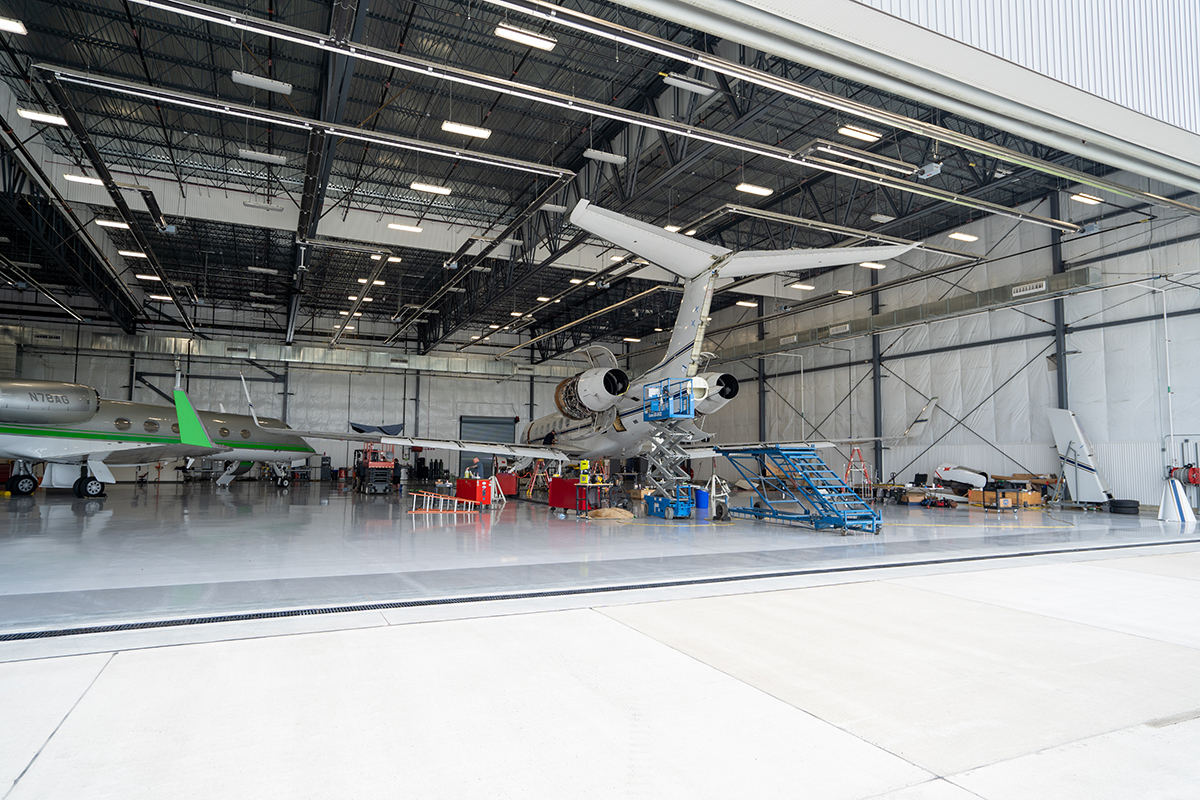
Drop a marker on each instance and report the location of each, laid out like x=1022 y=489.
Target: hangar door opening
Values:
x=484 y=429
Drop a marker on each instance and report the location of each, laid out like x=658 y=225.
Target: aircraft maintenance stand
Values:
x=665 y=405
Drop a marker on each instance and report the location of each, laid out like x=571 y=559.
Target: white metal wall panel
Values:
x=1141 y=55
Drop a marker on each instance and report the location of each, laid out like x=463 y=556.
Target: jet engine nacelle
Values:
x=720 y=388
x=47 y=402
x=589 y=392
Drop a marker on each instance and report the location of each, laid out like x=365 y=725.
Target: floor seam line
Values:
x=61 y=722
x=932 y=775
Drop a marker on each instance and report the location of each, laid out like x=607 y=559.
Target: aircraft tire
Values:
x=75 y=488
x=283 y=483
x=720 y=511
x=91 y=487
x=22 y=485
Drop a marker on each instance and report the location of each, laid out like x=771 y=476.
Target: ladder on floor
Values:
x=800 y=477
x=433 y=503
x=538 y=479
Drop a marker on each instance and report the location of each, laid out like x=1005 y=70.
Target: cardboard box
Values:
x=1014 y=498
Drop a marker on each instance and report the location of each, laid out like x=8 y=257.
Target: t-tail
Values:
x=699 y=265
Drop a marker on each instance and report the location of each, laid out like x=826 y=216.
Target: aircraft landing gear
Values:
x=283 y=483
x=88 y=487
x=22 y=484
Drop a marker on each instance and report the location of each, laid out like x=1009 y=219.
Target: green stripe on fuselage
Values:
x=64 y=433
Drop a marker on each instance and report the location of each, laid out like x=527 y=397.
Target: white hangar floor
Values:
x=950 y=656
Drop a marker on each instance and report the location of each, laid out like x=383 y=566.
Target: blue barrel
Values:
x=701 y=498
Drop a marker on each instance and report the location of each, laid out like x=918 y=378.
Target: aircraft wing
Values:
x=500 y=449
x=914 y=430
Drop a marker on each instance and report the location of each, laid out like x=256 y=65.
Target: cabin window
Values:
x=122 y=424
x=245 y=433
x=175 y=428
x=151 y=426
x=224 y=432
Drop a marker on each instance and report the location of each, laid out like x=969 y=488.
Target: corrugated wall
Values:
x=1140 y=54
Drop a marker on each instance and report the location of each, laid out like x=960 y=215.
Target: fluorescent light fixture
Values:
x=882 y=218
x=516 y=314
x=692 y=232
x=83 y=179
x=746 y=304
x=873 y=265
x=803 y=287
x=494 y=327
x=263 y=270
x=474 y=337
x=396 y=226
x=484 y=339
x=163 y=297
x=426 y=187
x=261 y=206
x=261 y=295
x=862 y=134
x=352 y=297
x=543 y=299
x=854 y=154
x=465 y=130
x=368 y=299
x=266 y=158
x=576 y=281
x=376 y=257
x=845 y=291
x=131 y=253
x=964 y=237
x=528 y=38
x=344 y=327
x=262 y=305
x=554 y=209
x=256 y=82
x=658 y=330
x=591 y=283
x=41 y=116
x=672 y=228
x=608 y=158
x=12 y=26
x=113 y=223
x=689 y=84
x=456 y=289
x=750 y=188
x=630 y=339
x=1086 y=199
x=390 y=260
x=617 y=258
x=142 y=277
x=558 y=299
x=344 y=313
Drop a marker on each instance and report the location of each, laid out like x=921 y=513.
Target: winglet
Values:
x=249 y=402
x=918 y=425
x=191 y=429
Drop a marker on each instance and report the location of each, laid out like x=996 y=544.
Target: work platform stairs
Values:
x=800 y=476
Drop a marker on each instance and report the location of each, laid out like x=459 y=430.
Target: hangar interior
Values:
x=364 y=210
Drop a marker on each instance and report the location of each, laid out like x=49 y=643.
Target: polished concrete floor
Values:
x=950 y=657
x=180 y=551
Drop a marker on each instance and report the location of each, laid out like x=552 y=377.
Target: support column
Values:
x=762 y=376
x=877 y=383
x=1060 y=321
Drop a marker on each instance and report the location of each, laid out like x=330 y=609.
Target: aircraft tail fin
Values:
x=917 y=426
x=191 y=429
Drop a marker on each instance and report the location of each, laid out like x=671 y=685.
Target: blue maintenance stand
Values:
x=665 y=404
x=667 y=399
x=678 y=507
x=821 y=498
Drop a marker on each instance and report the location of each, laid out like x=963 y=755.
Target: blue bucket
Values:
x=701 y=498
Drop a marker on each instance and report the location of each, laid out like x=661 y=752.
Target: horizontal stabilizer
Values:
x=680 y=254
x=767 y=262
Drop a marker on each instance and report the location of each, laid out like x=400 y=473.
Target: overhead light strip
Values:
x=577 y=20
x=511 y=88
x=159 y=95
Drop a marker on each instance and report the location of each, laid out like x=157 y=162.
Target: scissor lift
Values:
x=799 y=475
x=665 y=404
